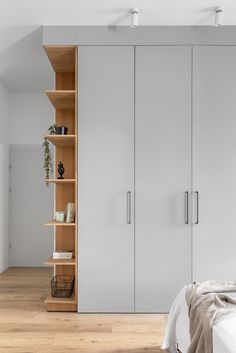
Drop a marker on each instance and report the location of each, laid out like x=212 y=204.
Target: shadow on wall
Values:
x=24 y=66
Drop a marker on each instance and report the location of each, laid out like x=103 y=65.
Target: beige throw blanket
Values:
x=208 y=302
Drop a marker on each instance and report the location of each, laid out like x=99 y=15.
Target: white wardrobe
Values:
x=157 y=171
x=214 y=162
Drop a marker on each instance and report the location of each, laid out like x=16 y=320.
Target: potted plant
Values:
x=48 y=163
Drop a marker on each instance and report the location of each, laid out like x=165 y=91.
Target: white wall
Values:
x=31 y=242
x=30 y=116
x=4 y=176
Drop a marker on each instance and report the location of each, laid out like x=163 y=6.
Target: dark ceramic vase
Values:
x=61 y=170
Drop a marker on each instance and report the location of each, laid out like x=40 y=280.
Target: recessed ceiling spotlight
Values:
x=134 y=18
x=218 y=16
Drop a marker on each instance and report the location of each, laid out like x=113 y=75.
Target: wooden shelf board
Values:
x=62 y=100
x=62 y=140
x=54 y=300
x=62 y=58
x=59 y=224
x=60 y=181
x=63 y=262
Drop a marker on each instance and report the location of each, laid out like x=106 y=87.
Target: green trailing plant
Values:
x=48 y=163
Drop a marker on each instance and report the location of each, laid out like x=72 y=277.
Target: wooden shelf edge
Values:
x=60 y=181
x=62 y=140
x=59 y=224
x=59 y=137
x=62 y=99
x=59 y=92
x=71 y=300
x=51 y=262
x=61 y=304
x=55 y=307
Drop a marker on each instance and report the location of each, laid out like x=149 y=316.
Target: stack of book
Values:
x=63 y=254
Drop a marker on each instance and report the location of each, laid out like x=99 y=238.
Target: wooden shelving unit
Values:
x=64 y=99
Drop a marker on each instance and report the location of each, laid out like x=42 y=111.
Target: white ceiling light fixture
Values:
x=134 y=18
x=218 y=16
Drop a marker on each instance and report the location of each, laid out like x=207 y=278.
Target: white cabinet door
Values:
x=162 y=175
x=106 y=175
x=214 y=174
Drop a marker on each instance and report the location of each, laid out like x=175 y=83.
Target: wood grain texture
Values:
x=62 y=140
x=66 y=118
x=25 y=326
x=65 y=81
x=62 y=100
x=58 y=224
x=66 y=262
x=62 y=58
x=60 y=181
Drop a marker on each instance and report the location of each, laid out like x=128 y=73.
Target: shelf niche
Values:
x=64 y=100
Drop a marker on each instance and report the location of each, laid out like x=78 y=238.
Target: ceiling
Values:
x=106 y=12
x=24 y=66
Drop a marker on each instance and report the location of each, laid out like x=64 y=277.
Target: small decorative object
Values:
x=48 y=166
x=52 y=129
x=63 y=254
x=61 y=170
x=62 y=286
x=59 y=216
x=70 y=212
x=61 y=130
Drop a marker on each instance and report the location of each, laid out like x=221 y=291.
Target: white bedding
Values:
x=224 y=332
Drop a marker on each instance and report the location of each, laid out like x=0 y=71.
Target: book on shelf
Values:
x=63 y=254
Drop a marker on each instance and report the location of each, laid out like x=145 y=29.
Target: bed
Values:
x=177 y=331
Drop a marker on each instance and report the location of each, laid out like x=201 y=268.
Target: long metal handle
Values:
x=186 y=208
x=128 y=207
x=197 y=207
x=197 y=220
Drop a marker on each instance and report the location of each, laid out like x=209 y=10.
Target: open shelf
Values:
x=63 y=262
x=62 y=58
x=59 y=224
x=62 y=100
x=52 y=300
x=60 y=181
x=61 y=140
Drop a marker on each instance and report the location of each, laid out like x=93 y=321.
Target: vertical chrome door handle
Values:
x=186 y=208
x=197 y=207
x=128 y=207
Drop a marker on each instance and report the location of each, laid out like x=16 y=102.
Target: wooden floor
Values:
x=25 y=326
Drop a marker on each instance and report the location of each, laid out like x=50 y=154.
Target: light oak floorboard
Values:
x=26 y=327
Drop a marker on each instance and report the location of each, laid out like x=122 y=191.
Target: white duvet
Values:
x=177 y=331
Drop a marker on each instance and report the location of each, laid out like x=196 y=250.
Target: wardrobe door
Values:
x=162 y=175
x=214 y=177
x=106 y=178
